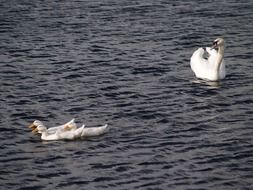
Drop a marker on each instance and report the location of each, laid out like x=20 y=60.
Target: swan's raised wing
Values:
x=198 y=62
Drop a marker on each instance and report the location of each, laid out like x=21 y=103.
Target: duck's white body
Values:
x=60 y=133
x=213 y=68
x=71 y=125
x=94 y=131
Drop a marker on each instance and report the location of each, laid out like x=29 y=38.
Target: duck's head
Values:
x=218 y=42
x=35 y=124
x=39 y=129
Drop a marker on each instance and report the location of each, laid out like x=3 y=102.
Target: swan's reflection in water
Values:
x=208 y=84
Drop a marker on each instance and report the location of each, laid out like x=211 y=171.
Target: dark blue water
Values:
x=125 y=63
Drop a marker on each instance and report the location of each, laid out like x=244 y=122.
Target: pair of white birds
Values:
x=212 y=67
x=67 y=131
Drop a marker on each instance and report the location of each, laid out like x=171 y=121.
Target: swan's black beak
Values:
x=215 y=45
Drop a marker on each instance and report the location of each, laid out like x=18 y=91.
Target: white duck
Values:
x=71 y=125
x=59 y=134
x=213 y=68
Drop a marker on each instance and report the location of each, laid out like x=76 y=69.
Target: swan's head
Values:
x=35 y=124
x=218 y=43
x=39 y=129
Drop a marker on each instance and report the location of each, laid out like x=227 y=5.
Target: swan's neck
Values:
x=219 y=59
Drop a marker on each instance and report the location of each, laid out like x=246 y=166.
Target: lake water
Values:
x=125 y=63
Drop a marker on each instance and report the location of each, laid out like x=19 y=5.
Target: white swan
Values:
x=59 y=134
x=213 y=68
x=71 y=125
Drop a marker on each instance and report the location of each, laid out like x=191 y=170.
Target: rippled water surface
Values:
x=125 y=63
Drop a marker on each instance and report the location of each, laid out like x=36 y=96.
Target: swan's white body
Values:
x=68 y=131
x=213 y=68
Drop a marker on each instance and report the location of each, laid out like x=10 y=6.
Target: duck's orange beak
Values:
x=32 y=126
x=35 y=131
